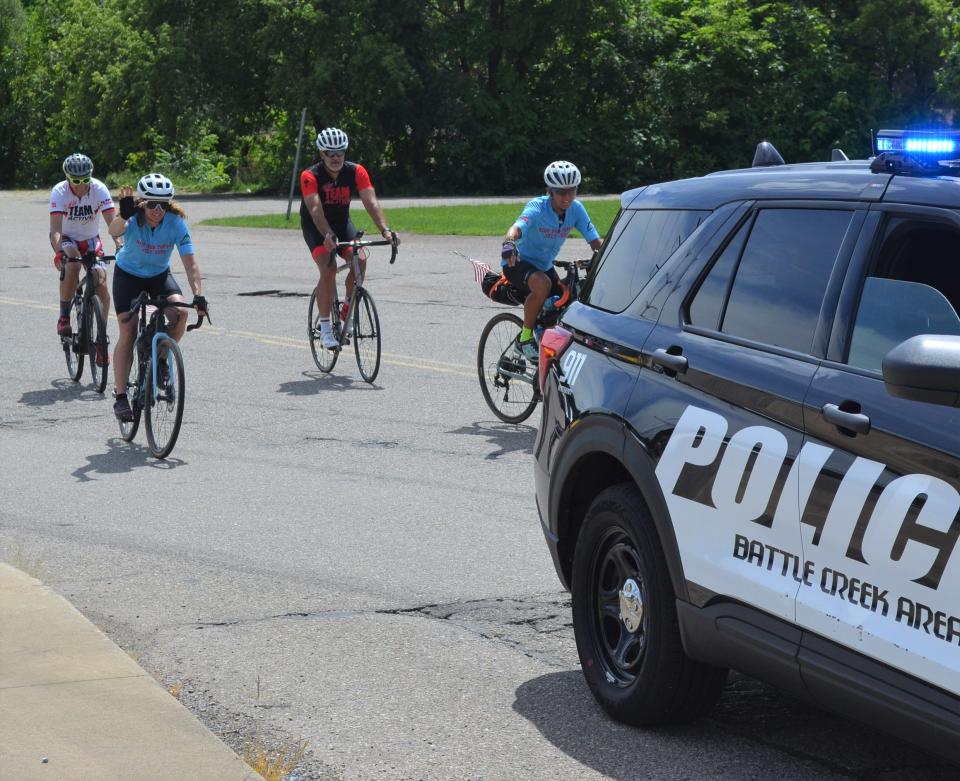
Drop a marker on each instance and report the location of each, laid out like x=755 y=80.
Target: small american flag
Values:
x=480 y=269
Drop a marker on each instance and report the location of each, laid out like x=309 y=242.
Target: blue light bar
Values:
x=940 y=144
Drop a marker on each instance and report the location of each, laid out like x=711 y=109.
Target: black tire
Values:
x=324 y=358
x=164 y=404
x=625 y=619
x=137 y=371
x=97 y=341
x=75 y=347
x=510 y=399
x=366 y=335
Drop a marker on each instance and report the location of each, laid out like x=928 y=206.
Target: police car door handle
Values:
x=675 y=363
x=852 y=421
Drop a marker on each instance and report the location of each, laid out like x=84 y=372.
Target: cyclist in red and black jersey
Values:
x=327 y=188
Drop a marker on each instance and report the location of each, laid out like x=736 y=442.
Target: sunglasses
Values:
x=79 y=179
x=335 y=154
x=151 y=205
x=564 y=190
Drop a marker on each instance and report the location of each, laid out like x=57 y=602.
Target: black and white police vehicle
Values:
x=749 y=452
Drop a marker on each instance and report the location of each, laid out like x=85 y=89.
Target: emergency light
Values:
x=942 y=144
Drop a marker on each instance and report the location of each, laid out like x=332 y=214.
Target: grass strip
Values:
x=482 y=220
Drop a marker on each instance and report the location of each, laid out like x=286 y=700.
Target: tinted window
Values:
x=780 y=281
x=707 y=304
x=635 y=251
x=914 y=289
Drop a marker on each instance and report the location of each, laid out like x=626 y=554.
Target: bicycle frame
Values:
x=357 y=245
x=156 y=326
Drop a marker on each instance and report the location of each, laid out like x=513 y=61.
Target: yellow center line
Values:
x=391 y=359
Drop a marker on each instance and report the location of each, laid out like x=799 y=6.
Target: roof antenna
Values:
x=766 y=155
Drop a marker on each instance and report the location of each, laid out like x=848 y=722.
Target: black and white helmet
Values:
x=155 y=187
x=332 y=139
x=562 y=174
x=78 y=165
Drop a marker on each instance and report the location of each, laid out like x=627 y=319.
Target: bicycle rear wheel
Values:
x=97 y=344
x=366 y=335
x=75 y=346
x=507 y=379
x=324 y=358
x=128 y=430
x=164 y=404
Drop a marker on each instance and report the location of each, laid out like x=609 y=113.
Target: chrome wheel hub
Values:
x=631 y=605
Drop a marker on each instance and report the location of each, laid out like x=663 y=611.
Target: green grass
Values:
x=484 y=220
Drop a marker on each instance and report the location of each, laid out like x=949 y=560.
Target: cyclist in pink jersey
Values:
x=76 y=204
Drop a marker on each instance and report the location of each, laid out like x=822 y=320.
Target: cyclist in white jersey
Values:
x=76 y=204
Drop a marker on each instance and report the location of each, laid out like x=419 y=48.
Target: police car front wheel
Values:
x=625 y=618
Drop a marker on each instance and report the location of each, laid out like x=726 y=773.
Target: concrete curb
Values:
x=73 y=705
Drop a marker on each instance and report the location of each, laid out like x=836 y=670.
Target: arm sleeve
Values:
x=363 y=179
x=308 y=183
x=584 y=225
x=527 y=216
x=185 y=243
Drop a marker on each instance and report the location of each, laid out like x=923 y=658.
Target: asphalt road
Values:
x=357 y=566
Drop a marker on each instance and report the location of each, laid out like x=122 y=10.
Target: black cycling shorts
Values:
x=314 y=238
x=127 y=286
x=518 y=273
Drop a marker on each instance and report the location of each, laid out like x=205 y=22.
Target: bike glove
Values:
x=127 y=209
x=508 y=250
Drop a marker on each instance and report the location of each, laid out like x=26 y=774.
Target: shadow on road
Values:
x=507 y=437
x=751 y=726
x=60 y=390
x=122 y=457
x=318 y=382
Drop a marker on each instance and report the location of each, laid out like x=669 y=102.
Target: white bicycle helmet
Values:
x=78 y=165
x=562 y=174
x=332 y=139
x=155 y=187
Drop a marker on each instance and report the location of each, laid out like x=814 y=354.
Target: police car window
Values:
x=707 y=304
x=913 y=289
x=780 y=281
x=635 y=253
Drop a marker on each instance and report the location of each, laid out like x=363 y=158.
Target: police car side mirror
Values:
x=925 y=368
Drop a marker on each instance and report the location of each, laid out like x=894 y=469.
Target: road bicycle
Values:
x=157 y=387
x=508 y=379
x=354 y=319
x=88 y=324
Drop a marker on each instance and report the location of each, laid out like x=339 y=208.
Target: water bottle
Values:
x=550 y=304
x=538 y=333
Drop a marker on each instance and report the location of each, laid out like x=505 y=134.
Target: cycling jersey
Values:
x=146 y=251
x=335 y=194
x=81 y=214
x=543 y=231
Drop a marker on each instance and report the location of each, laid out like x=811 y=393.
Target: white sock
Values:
x=325 y=325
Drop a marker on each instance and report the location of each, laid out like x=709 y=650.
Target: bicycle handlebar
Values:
x=89 y=257
x=568 y=264
x=144 y=300
x=355 y=243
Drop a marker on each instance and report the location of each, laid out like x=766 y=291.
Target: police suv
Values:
x=749 y=452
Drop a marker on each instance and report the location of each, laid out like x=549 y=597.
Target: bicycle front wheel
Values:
x=164 y=404
x=366 y=335
x=507 y=379
x=324 y=358
x=128 y=430
x=75 y=346
x=97 y=345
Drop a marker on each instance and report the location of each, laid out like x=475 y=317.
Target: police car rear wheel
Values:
x=625 y=618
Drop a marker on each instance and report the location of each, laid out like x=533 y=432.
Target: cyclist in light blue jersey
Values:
x=533 y=241
x=152 y=225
